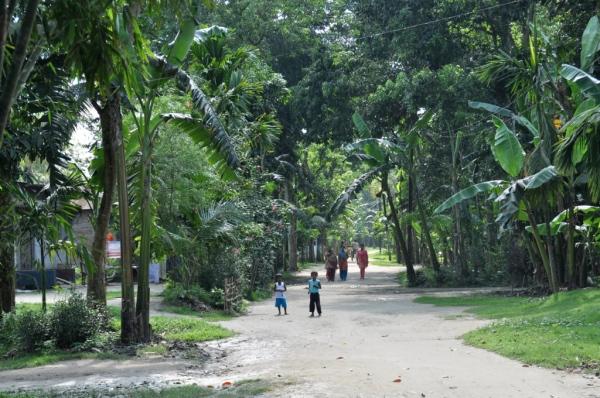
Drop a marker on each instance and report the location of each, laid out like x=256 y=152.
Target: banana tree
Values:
x=578 y=151
x=579 y=148
x=516 y=196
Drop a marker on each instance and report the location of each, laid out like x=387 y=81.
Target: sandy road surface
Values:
x=370 y=334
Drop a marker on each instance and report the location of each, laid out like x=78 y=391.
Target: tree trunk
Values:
x=96 y=286
x=552 y=258
x=143 y=293
x=399 y=238
x=410 y=233
x=292 y=231
x=7 y=279
x=319 y=248
x=128 y=324
x=458 y=249
x=541 y=250
x=460 y=262
x=43 y=273
x=18 y=58
x=425 y=227
x=7 y=248
x=571 y=272
x=4 y=23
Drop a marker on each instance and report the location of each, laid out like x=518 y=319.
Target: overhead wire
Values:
x=434 y=21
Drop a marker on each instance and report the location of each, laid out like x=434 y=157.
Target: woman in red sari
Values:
x=362 y=259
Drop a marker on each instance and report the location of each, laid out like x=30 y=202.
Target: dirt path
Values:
x=370 y=334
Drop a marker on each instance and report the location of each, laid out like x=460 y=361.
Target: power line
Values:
x=457 y=16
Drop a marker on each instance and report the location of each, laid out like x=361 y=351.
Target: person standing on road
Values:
x=343 y=262
x=362 y=259
x=280 y=289
x=331 y=265
x=314 y=285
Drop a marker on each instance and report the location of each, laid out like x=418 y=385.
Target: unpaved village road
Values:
x=371 y=333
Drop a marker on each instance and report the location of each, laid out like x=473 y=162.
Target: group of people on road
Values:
x=332 y=263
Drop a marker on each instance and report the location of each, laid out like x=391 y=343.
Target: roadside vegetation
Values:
x=227 y=141
x=560 y=331
x=383 y=258
x=72 y=330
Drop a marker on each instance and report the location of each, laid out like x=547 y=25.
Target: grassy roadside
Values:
x=169 y=329
x=241 y=389
x=111 y=295
x=209 y=316
x=382 y=259
x=560 y=331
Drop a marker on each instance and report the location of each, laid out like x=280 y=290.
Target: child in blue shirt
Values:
x=280 y=289
x=314 y=285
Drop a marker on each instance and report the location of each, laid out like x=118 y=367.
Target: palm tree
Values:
x=204 y=125
x=41 y=127
x=19 y=70
x=381 y=155
x=100 y=49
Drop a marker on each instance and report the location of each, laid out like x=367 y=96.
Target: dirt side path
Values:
x=370 y=334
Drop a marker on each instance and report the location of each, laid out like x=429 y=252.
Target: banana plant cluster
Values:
x=572 y=166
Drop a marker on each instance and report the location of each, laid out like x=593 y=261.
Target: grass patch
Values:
x=382 y=259
x=211 y=316
x=560 y=331
x=155 y=349
x=188 y=329
x=49 y=357
x=402 y=279
x=111 y=295
x=242 y=389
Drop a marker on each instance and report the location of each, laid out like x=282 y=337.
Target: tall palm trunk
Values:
x=401 y=249
x=43 y=272
x=292 y=231
x=7 y=268
x=410 y=233
x=460 y=261
x=425 y=227
x=143 y=293
x=96 y=287
x=128 y=324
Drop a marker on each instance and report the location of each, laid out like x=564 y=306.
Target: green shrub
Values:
x=193 y=296
x=72 y=322
x=446 y=277
x=8 y=330
x=259 y=295
x=30 y=330
x=217 y=298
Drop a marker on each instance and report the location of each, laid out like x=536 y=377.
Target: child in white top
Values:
x=280 y=289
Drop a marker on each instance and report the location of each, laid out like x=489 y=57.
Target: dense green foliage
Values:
x=245 y=137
